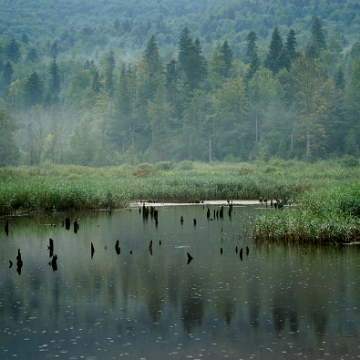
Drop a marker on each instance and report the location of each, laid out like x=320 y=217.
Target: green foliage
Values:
x=273 y=59
x=34 y=90
x=164 y=165
x=350 y=161
x=9 y=152
x=205 y=104
x=185 y=165
x=328 y=215
x=317 y=33
x=58 y=187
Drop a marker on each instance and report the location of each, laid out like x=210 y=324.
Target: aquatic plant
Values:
x=59 y=187
x=328 y=215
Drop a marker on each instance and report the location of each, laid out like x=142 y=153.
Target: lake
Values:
x=146 y=300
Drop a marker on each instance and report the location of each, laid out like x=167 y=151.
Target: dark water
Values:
x=277 y=302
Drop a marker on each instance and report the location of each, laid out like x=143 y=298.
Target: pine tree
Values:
x=340 y=79
x=34 y=90
x=317 y=33
x=24 y=39
x=109 y=72
x=228 y=58
x=122 y=126
x=7 y=73
x=352 y=99
x=95 y=84
x=54 y=51
x=254 y=66
x=290 y=45
x=152 y=57
x=32 y=55
x=171 y=86
x=312 y=49
x=9 y=152
x=54 y=81
x=185 y=45
x=13 y=51
x=273 y=56
x=251 y=48
x=191 y=61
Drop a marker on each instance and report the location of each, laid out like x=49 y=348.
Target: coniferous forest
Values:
x=108 y=83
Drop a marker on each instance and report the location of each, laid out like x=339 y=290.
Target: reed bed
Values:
x=328 y=215
x=58 y=187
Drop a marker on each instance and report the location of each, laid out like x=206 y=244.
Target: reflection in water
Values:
x=67 y=224
x=51 y=247
x=92 y=250
x=7 y=228
x=278 y=302
x=117 y=247
x=54 y=263
x=19 y=262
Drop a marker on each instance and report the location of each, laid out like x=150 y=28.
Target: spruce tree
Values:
x=340 y=79
x=109 y=72
x=32 y=55
x=317 y=33
x=7 y=73
x=273 y=59
x=54 y=81
x=34 y=90
x=152 y=57
x=191 y=61
x=95 y=84
x=9 y=152
x=54 y=51
x=185 y=45
x=312 y=49
x=253 y=67
x=290 y=45
x=24 y=39
x=171 y=86
x=228 y=58
x=251 y=48
x=13 y=51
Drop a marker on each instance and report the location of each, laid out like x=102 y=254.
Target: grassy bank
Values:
x=56 y=187
x=328 y=215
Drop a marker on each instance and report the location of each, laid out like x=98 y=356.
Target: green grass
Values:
x=57 y=187
x=328 y=215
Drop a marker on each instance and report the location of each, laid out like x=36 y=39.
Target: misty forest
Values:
x=111 y=83
x=179 y=179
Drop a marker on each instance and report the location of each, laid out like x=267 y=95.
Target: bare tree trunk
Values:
x=308 y=145
x=256 y=127
x=210 y=150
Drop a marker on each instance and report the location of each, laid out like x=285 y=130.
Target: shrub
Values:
x=145 y=165
x=164 y=165
x=143 y=172
x=349 y=161
x=270 y=169
x=245 y=170
x=185 y=165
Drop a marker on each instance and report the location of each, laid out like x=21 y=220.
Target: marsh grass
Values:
x=328 y=215
x=58 y=187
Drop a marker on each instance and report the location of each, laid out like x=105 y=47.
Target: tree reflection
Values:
x=192 y=312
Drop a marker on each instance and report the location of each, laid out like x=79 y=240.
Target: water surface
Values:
x=276 y=302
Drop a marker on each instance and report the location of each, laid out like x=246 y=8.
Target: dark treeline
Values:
x=288 y=102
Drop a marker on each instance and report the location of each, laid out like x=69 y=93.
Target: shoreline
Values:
x=201 y=203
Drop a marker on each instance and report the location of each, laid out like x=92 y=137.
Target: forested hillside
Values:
x=113 y=82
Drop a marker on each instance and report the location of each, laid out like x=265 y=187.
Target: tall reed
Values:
x=329 y=215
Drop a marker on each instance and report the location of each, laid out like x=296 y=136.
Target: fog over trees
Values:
x=292 y=93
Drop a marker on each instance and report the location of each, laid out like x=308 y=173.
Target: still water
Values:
x=147 y=302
